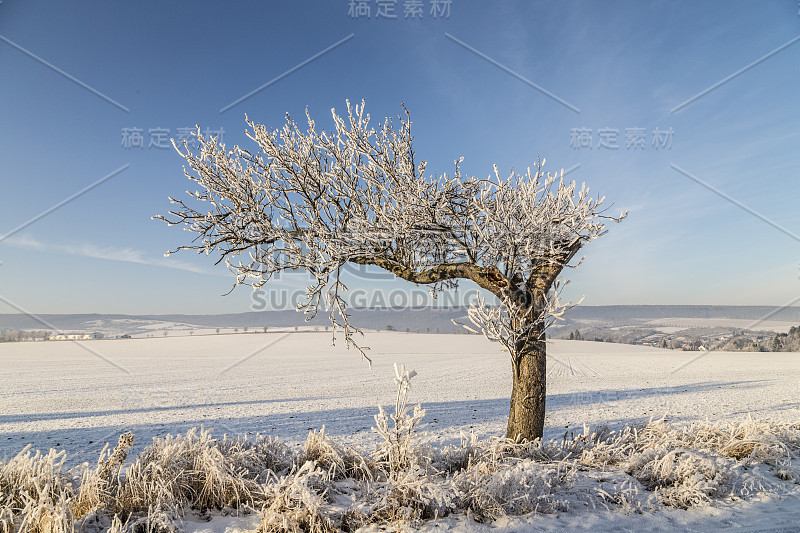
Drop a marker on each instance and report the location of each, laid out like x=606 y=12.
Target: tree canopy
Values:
x=313 y=200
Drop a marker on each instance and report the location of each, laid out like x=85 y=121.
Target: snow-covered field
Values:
x=78 y=397
x=669 y=325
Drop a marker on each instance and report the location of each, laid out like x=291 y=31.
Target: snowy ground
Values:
x=670 y=325
x=78 y=397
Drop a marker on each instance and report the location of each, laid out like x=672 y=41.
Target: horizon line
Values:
x=390 y=308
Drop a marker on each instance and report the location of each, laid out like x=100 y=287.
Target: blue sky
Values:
x=495 y=82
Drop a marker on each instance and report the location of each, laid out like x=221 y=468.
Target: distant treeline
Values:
x=780 y=342
x=735 y=341
x=14 y=335
x=786 y=342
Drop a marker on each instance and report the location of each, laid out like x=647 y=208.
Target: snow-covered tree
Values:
x=313 y=200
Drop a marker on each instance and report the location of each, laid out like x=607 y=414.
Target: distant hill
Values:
x=415 y=319
x=653 y=312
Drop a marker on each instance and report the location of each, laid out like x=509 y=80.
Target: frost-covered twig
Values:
x=398 y=449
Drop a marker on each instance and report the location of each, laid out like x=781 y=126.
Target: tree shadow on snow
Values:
x=450 y=418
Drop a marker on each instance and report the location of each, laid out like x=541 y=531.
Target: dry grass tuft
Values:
x=97 y=486
x=35 y=494
x=296 y=504
x=339 y=463
x=201 y=472
x=495 y=487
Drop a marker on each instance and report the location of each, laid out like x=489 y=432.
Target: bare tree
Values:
x=314 y=200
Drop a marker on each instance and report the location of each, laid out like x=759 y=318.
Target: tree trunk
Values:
x=526 y=415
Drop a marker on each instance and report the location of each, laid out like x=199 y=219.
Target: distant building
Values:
x=76 y=336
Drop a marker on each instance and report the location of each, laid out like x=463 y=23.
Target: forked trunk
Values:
x=526 y=415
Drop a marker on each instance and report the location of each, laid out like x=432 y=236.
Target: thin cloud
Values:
x=108 y=253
